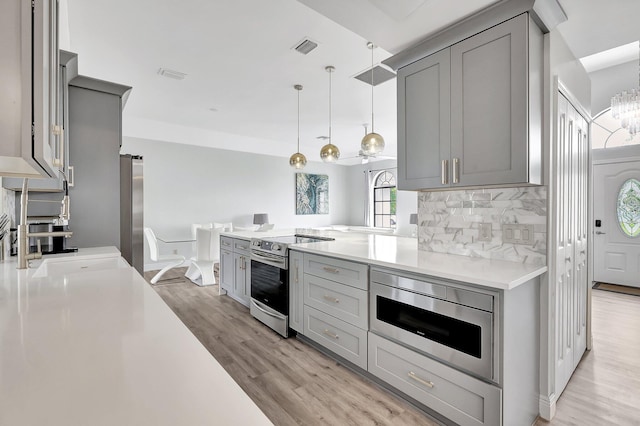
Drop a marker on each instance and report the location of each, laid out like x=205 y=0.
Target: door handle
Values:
x=444 y=172
x=456 y=170
x=600 y=233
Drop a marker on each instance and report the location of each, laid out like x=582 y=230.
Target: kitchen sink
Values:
x=72 y=265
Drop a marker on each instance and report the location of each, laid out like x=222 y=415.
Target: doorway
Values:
x=616 y=215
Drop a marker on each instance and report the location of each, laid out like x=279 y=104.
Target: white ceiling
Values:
x=239 y=61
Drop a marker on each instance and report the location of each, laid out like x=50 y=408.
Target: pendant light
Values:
x=329 y=153
x=625 y=106
x=298 y=160
x=372 y=143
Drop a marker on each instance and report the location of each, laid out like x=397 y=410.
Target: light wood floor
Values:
x=605 y=388
x=292 y=383
x=296 y=385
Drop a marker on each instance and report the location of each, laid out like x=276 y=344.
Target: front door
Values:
x=617 y=222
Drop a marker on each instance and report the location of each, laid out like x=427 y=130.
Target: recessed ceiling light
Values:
x=176 y=75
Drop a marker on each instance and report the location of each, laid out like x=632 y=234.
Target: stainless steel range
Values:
x=270 y=279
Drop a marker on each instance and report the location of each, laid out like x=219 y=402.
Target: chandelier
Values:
x=625 y=106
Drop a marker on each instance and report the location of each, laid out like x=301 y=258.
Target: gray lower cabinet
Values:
x=335 y=305
x=344 y=339
x=235 y=268
x=296 y=291
x=457 y=396
x=470 y=114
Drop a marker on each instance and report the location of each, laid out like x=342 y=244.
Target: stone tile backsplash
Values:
x=448 y=222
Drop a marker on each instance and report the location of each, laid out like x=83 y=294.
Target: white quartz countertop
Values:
x=100 y=347
x=402 y=253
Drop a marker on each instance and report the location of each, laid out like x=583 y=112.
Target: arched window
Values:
x=384 y=200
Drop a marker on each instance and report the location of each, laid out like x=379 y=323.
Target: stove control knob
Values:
x=275 y=247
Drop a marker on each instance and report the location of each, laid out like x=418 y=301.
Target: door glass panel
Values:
x=628 y=207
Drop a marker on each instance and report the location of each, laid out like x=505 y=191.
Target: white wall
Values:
x=607 y=82
x=187 y=184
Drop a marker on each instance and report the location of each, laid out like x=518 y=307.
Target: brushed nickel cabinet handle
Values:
x=72 y=177
x=427 y=383
x=444 y=172
x=331 y=299
x=331 y=270
x=330 y=334
x=456 y=170
x=600 y=233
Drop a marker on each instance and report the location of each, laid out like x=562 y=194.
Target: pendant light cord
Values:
x=372 y=128
x=298 y=120
x=330 y=71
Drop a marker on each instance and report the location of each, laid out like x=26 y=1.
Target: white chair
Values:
x=200 y=271
x=227 y=226
x=154 y=254
x=195 y=226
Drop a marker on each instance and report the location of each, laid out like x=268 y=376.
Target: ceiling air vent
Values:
x=380 y=75
x=176 y=75
x=305 y=46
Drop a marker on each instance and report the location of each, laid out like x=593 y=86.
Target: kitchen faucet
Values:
x=23 y=234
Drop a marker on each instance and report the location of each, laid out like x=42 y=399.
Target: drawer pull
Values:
x=331 y=270
x=331 y=299
x=330 y=334
x=413 y=376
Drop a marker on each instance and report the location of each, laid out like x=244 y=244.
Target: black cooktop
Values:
x=297 y=239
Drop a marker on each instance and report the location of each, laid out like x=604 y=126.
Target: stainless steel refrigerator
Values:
x=131 y=211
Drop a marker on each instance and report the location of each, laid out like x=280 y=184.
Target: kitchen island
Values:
x=98 y=346
x=369 y=300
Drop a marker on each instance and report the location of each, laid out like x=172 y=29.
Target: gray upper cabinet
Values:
x=67 y=71
x=30 y=130
x=424 y=122
x=470 y=114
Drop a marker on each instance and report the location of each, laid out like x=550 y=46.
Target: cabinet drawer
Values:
x=341 y=301
x=461 y=398
x=226 y=242
x=344 y=339
x=241 y=246
x=342 y=271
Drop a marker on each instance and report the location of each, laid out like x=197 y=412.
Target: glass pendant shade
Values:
x=298 y=160
x=329 y=153
x=372 y=144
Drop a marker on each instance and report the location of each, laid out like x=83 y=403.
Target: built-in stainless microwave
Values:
x=450 y=323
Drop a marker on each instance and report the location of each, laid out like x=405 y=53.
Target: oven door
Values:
x=270 y=285
x=456 y=334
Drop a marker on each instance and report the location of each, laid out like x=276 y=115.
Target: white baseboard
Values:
x=547 y=406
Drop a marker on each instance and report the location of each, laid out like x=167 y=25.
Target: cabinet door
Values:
x=46 y=131
x=424 y=123
x=296 y=274
x=241 y=290
x=489 y=99
x=227 y=270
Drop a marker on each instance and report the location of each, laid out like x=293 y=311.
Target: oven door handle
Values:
x=264 y=311
x=278 y=262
